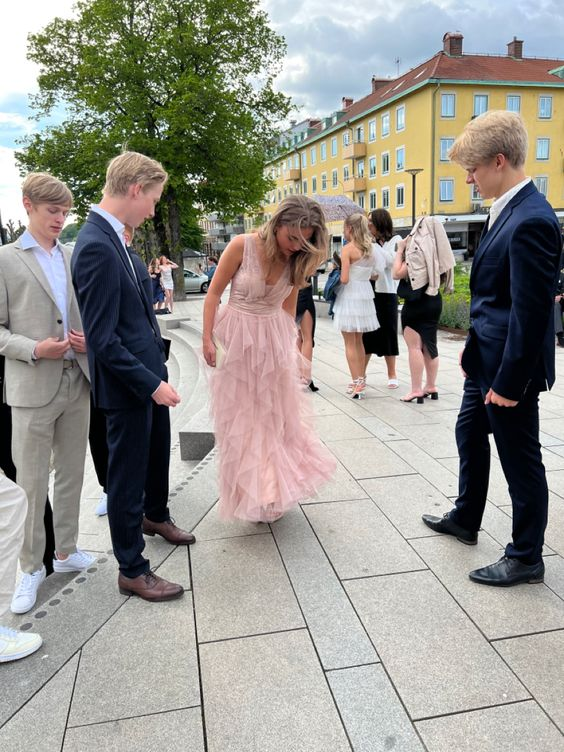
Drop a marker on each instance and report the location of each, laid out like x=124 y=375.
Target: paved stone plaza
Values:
x=347 y=625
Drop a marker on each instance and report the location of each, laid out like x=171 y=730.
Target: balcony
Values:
x=234 y=229
x=218 y=246
x=355 y=150
x=215 y=232
x=293 y=174
x=352 y=185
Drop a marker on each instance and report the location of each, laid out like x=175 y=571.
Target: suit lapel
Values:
x=98 y=220
x=28 y=258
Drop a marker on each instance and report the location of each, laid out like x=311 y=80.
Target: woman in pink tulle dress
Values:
x=269 y=455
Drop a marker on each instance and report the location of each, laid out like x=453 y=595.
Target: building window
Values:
x=446 y=144
x=475 y=193
x=372 y=200
x=346 y=137
x=323 y=151
x=304 y=187
x=289 y=163
x=372 y=167
x=285 y=191
x=279 y=196
x=304 y=159
x=543 y=148
x=545 y=107
x=296 y=161
x=335 y=178
x=513 y=103
x=385 y=163
x=400 y=118
x=314 y=184
x=372 y=130
x=385 y=198
x=400 y=158
x=448 y=105
x=323 y=181
x=313 y=155
x=334 y=146
x=385 y=128
x=360 y=199
x=360 y=168
x=400 y=196
x=446 y=189
x=359 y=134
x=480 y=104
x=346 y=173
x=542 y=184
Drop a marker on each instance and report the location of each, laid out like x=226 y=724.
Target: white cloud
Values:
x=10 y=187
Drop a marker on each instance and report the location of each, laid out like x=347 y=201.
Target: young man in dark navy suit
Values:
x=128 y=373
x=508 y=357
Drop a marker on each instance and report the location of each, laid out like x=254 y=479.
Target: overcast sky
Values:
x=334 y=48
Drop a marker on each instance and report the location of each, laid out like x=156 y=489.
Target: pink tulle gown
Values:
x=269 y=455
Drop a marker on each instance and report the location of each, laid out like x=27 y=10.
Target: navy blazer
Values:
x=124 y=345
x=514 y=274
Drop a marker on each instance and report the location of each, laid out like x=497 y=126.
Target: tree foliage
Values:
x=187 y=82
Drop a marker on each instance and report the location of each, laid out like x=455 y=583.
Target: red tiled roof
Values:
x=460 y=68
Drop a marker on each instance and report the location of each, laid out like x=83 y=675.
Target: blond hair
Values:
x=358 y=225
x=42 y=188
x=300 y=212
x=494 y=132
x=132 y=168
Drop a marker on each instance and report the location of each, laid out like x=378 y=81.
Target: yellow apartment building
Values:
x=368 y=149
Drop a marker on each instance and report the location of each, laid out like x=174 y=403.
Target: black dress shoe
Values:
x=507 y=572
x=447 y=526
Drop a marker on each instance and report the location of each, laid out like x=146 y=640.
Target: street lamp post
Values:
x=413 y=172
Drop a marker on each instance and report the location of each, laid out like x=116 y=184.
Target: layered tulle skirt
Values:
x=354 y=307
x=269 y=454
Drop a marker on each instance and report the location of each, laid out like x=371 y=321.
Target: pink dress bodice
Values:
x=249 y=291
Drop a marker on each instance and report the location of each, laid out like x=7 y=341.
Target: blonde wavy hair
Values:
x=300 y=212
x=358 y=225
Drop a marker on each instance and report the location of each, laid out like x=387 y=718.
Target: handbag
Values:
x=406 y=291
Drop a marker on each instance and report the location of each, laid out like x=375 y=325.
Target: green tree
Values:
x=189 y=83
x=70 y=232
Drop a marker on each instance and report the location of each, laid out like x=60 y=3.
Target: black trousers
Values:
x=98 y=443
x=7 y=465
x=138 y=465
x=516 y=434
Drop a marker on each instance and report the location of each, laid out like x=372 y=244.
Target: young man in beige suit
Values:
x=46 y=381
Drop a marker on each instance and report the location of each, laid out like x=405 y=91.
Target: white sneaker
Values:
x=102 y=507
x=15 y=645
x=26 y=592
x=74 y=562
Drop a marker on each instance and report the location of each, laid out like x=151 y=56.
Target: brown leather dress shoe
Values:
x=150 y=587
x=169 y=531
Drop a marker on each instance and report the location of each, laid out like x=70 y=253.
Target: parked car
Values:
x=194 y=282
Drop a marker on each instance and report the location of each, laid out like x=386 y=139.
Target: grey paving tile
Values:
x=40 y=725
x=338 y=635
x=241 y=588
x=404 y=500
x=498 y=612
x=379 y=428
x=212 y=528
x=141 y=640
x=343 y=427
x=433 y=438
x=437 y=659
x=497 y=489
x=322 y=406
x=522 y=727
x=176 y=567
x=431 y=469
x=552 y=460
x=554 y=428
x=538 y=660
x=268 y=694
x=371 y=711
x=396 y=413
x=556 y=449
x=547 y=440
x=341 y=487
x=554 y=574
x=178 y=731
x=555 y=480
x=368 y=458
x=359 y=540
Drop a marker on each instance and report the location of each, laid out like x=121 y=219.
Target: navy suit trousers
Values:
x=516 y=434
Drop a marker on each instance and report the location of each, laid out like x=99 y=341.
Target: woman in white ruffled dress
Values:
x=354 y=308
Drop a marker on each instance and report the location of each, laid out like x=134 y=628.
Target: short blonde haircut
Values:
x=494 y=132
x=358 y=225
x=299 y=212
x=132 y=168
x=42 y=188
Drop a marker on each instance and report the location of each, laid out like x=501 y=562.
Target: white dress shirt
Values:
x=53 y=265
x=500 y=203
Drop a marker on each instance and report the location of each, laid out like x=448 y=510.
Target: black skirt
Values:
x=383 y=341
x=423 y=317
x=305 y=303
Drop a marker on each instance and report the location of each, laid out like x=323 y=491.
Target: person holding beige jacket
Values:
x=424 y=261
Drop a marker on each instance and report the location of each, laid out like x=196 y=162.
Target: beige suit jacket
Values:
x=28 y=314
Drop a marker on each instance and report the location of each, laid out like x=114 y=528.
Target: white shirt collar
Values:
x=500 y=203
x=27 y=241
x=111 y=220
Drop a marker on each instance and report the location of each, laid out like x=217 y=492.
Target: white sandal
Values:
x=393 y=383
